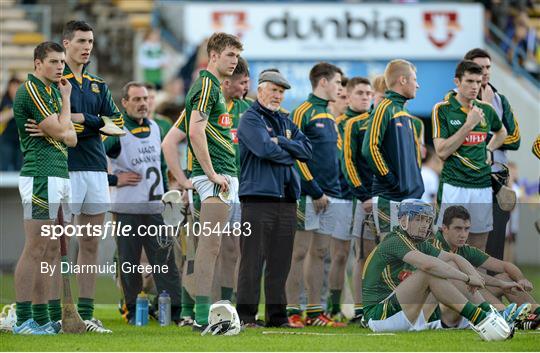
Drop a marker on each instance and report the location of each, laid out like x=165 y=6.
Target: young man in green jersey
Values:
x=214 y=174
x=44 y=185
x=460 y=128
x=357 y=175
x=397 y=300
x=489 y=94
x=234 y=88
x=509 y=281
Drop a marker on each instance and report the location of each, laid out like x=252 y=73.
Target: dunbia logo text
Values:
x=347 y=26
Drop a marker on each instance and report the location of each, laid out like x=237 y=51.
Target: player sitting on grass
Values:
x=452 y=237
x=392 y=303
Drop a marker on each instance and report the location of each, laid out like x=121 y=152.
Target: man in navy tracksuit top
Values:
x=320 y=205
x=389 y=146
x=269 y=144
x=87 y=162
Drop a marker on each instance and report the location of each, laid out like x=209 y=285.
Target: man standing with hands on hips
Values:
x=269 y=187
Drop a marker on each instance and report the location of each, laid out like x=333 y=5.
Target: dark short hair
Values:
x=219 y=41
x=467 y=66
x=344 y=81
x=454 y=212
x=354 y=81
x=73 y=26
x=41 y=51
x=125 y=89
x=242 y=68
x=323 y=70
x=476 y=53
x=150 y=86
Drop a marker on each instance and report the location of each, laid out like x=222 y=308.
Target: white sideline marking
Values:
x=325 y=334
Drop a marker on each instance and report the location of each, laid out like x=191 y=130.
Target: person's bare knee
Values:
x=319 y=246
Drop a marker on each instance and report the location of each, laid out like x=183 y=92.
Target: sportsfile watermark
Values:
x=119 y=229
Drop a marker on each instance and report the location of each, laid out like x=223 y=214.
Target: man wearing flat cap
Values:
x=270 y=144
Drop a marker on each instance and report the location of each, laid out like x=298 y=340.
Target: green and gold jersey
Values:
x=236 y=108
x=474 y=255
x=43 y=156
x=385 y=269
x=181 y=125
x=467 y=166
x=205 y=96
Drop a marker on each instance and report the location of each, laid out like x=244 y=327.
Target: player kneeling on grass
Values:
x=394 y=303
x=509 y=281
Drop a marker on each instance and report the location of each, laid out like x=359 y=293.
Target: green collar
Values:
x=67 y=69
x=395 y=97
x=351 y=113
x=37 y=81
x=206 y=73
x=131 y=123
x=313 y=99
x=440 y=237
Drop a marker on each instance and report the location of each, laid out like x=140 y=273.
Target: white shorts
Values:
x=42 y=196
x=344 y=220
x=205 y=188
x=478 y=201
x=399 y=322
x=323 y=222
x=90 y=192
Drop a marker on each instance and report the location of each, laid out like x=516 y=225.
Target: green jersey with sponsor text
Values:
x=385 y=269
x=474 y=255
x=43 y=156
x=206 y=97
x=236 y=108
x=467 y=166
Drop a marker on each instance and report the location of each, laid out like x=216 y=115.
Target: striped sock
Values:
x=485 y=306
x=55 y=310
x=313 y=311
x=202 y=307
x=24 y=312
x=40 y=313
x=473 y=313
x=294 y=310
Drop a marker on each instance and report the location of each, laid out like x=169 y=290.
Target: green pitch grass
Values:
x=352 y=338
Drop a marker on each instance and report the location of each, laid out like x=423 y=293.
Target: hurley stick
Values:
x=71 y=320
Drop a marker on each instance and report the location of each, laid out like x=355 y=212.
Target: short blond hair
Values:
x=395 y=69
x=379 y=85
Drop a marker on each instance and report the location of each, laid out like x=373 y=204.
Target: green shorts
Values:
x=42 y=196
x=383 y=310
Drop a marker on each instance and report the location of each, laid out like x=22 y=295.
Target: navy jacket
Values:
x=267 y=168
x=320 y=175
x=389 y=147
x=92 y=98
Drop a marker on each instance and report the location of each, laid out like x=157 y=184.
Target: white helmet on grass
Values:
x=493 y=328
x=223 y=319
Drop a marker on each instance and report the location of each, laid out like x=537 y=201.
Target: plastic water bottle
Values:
x=164 y=304
x=141 y=310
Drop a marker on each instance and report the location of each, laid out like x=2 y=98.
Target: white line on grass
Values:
x=324 y=334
